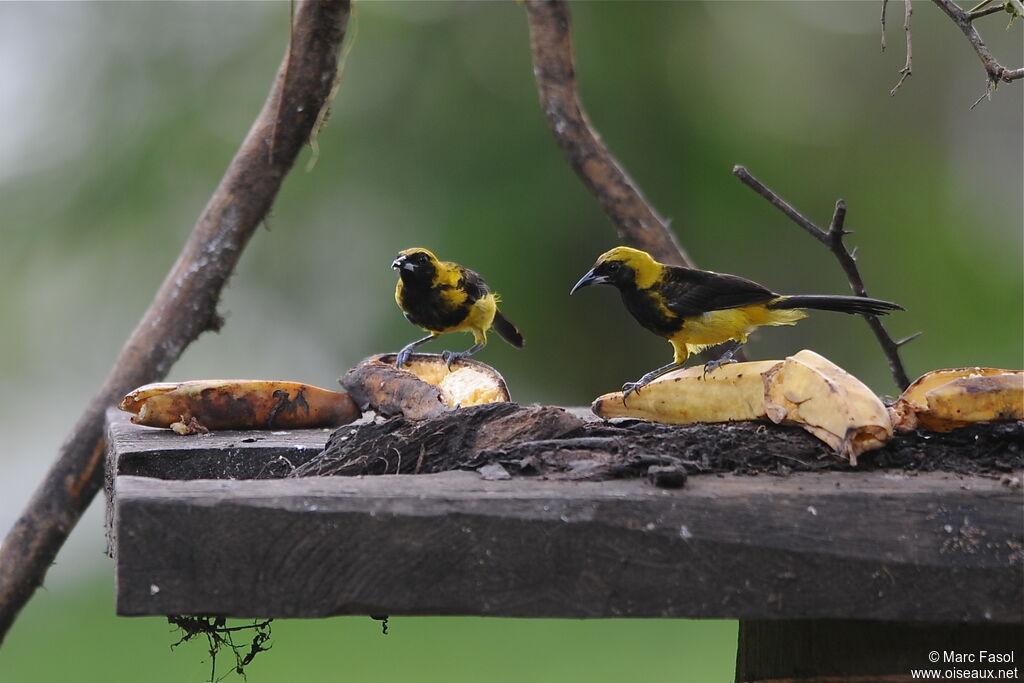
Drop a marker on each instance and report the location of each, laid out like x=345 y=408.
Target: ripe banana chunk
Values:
x=830 y=403
x=729 y=393
x=424 y=387
x=202 y=405
x=943 y=400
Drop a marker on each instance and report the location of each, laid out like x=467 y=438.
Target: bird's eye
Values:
x=613 y=266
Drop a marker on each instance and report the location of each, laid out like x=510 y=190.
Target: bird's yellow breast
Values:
x=716 y=327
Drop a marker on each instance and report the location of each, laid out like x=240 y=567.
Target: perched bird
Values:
x=442 y=297
x=696 y=309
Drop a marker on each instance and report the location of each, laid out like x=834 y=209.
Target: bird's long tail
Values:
x=844 y=304
x=508 y=331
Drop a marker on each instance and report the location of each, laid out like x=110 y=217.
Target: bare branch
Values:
x=979 y=13
x=996 y=72
x=637 y=222
x=908 y=66
x=885 y=4
x=833 y=239
x=185 y=305
x=782 y=205
x=909 y=338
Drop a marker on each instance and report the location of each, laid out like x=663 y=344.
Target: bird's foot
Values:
x=450 y=357
x=713 y=365
x=402 y=358
x=632 y=388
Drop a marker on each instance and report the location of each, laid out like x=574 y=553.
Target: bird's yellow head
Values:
x=622 y=267
x=416 y=263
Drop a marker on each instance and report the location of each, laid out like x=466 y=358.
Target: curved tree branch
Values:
x=833 y=239
x=554 y=67
x=185 y=305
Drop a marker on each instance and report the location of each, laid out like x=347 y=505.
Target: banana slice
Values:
x=943 y=400
x=424 y=387
x=830 y=403
x=202 y=405
x=729 y=393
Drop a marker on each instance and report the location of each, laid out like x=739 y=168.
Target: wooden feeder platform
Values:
x=834 y=573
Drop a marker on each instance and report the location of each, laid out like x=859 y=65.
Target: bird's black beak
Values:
x=591 y=278
x=400 y=262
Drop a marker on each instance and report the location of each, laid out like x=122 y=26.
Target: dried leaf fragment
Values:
x=218 y=404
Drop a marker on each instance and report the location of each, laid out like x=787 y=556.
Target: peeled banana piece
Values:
x=944 y=400
x=805 y=389
x=215 y=404
x=730 y=393
x=424 y=387
x=809 y=390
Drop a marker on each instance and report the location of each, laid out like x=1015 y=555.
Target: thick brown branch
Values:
x=185 y=305
x=637 y=222
x=833 y=239
x=996 y=71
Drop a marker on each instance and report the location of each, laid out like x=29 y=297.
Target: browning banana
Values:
x=218 y=404
x=425 y=386
x=944 y=400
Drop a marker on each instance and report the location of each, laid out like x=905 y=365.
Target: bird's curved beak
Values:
x=399 y=262
x=591 y=278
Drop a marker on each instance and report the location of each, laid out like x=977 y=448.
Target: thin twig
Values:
x=885 y=4
x=908 y=66
x=554 y=67
x=186 y=304
x=833 y=239
x=979 y=13
x=995 y=71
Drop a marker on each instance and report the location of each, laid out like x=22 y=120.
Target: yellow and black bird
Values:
x=697 y=309
x=442 y=297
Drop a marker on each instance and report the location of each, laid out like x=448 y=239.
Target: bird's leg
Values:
x=403 y=355
x=452 y=356
x=724 y=359
x=632 y=387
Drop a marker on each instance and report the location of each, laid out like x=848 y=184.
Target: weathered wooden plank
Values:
x=162 y=454
x=876 y=546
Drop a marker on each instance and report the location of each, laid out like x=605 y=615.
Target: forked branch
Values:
x=833 y=239
x=636 y=221
x=908 y=65
x=186 y=304
x=964 y=20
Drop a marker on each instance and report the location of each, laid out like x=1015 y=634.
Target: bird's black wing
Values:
x=473 y=284
x=689 y=291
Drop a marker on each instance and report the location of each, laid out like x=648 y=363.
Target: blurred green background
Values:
x=120 y=118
